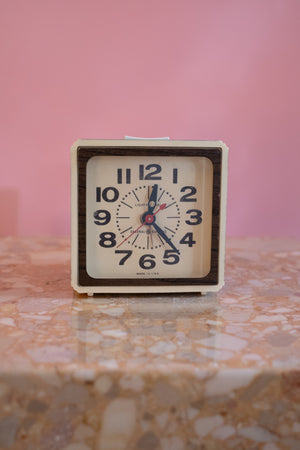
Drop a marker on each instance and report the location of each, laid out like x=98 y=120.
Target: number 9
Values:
x=102 y=217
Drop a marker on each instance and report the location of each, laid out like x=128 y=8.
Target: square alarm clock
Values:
x=148 y=216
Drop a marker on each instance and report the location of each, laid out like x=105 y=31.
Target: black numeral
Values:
x=109 y=194
x=127 y=254
x=107 y=240
x=196 y=215
x=147 y=262
x=187 y=197
x=170 y=257
x=156 y=168
x=175 y=176
x=102 y=217
x=127 y=176
x=188 y=240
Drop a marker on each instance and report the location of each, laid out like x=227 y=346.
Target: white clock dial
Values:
x=148 y=217
x=130 y=213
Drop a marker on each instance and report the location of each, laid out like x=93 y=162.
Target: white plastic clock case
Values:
x=152 y=286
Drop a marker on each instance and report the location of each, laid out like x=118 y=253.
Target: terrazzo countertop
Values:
x=165 y=372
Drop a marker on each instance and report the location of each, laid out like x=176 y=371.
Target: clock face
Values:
x=148 y=216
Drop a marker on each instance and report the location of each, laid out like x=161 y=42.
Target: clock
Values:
x=148 y=216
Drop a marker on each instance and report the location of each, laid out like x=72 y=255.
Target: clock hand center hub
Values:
x=148 y=219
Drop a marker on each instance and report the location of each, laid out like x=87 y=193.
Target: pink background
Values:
x=187 y=69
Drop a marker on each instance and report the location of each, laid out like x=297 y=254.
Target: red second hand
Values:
x=148 y=219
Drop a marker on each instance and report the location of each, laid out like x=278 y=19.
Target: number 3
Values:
x=197 y=216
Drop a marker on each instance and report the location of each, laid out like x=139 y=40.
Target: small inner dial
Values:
x=131 y=212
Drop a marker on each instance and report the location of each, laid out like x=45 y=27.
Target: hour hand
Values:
x=165 y=237
x=152 y=199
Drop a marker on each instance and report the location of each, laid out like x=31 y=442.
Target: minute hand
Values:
x=165 y=237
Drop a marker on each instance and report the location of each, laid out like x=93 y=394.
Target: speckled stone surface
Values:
x=166 y=372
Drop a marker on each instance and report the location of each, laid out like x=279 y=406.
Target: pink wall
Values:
x=187 y=69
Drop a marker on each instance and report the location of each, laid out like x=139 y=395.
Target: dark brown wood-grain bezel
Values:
x=84 y=153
